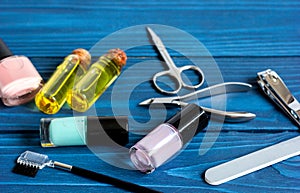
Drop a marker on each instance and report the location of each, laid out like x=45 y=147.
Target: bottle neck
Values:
x=189 y=121
x=105 y=63
x=4 y=50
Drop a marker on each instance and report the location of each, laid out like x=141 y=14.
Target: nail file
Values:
x=253 y=162
x=275 y=89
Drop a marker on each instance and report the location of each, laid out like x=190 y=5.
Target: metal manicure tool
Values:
x=176 y=73
x=206 y=92
x=274 y=88
x=173 y=71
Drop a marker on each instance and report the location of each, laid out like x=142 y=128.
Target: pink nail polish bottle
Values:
x=168 y=138
x=19 y=80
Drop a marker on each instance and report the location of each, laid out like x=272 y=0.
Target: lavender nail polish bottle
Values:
x=168 y=138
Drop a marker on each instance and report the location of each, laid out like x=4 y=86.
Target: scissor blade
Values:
x=150 y=101
x=156 y=40
x=146 y=102
x=161 y=48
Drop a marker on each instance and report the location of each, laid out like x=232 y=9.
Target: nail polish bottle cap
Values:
x=4 y=50
x=105 y=131
x=189 y=121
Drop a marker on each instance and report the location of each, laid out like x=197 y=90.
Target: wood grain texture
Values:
x=138 y=87
x=226 y=29
x=243 y=37
x=183 y=173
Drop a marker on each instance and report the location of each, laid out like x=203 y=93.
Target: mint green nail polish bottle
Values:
x=85 y=130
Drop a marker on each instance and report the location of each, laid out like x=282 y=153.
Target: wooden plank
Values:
x=179 y=174
x=244 y=37
x=134 y=86
x=237 y=29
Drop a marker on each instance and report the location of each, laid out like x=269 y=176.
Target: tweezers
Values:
x=217 y=89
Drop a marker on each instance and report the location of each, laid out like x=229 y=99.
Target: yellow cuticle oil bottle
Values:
x=99 y=77
x=53 y=95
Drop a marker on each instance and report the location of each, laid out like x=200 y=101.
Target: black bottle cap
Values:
x=189 y=121
x=4 y=50
x=106 y=131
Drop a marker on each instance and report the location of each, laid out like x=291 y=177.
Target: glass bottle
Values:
x=91 y=131
x=53 y=95
x=168 y=138
x=19 y=80
x=98 y=78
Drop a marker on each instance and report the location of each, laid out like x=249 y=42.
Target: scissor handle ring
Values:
x=167 y=73
x=195 y=68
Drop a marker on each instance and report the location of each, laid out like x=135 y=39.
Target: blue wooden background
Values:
x=244 y=37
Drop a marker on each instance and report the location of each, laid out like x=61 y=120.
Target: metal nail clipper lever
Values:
x=275 y=89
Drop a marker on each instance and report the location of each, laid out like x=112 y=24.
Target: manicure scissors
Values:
x=206 y=92
x=173 y=72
